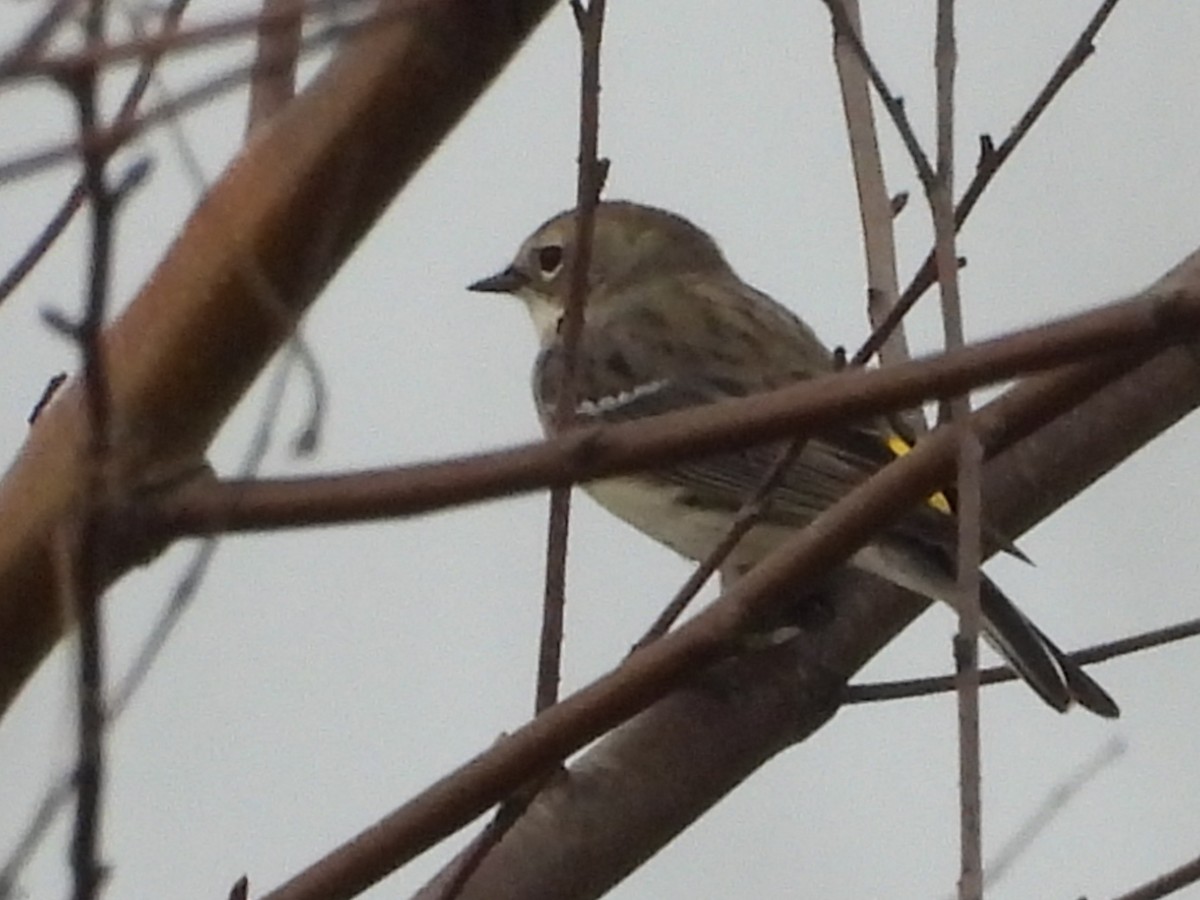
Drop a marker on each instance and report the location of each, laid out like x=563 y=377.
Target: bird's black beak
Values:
x=506 y=282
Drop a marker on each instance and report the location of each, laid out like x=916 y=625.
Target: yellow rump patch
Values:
x=900 y=446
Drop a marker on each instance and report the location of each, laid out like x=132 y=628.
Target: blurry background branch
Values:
x=190 y=344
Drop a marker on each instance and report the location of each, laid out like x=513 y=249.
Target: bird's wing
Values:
x=634 y=367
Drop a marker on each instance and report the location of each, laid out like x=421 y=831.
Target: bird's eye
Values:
x=550 y=259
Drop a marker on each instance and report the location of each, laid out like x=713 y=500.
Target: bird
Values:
x=669 y=325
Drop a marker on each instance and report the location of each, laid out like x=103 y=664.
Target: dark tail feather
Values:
x=1021 y=645
x=1084 y=689
x=1055 y=676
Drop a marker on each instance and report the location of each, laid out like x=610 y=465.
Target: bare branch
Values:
x=273 y=75
x=74 y=199
x=29 y=48
x=590 y=24
x=121 y=132
x=874 y=204
x=196 y=336
x=753 y=508
x=659 y=668
x=939 y=193
x=1166 y=884
x=171 y=41
x=613 y=449
x=844 y=29
x=86 y=545
x=991 y=158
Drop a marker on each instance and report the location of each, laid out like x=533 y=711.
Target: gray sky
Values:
x=325 y=676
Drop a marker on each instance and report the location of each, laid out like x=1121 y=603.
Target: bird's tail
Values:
x=1055 y=677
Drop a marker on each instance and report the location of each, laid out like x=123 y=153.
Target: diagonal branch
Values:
x=795 y=680
x=191 y=343
x=168 y=25
x=991 y=158
x=657 y=773
x=1151 y=320
x=860 y=628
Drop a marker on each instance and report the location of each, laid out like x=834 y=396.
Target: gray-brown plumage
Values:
x=669 y=325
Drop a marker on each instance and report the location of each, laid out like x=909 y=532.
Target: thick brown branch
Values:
x=701 y=743
x=652 y=672
x=597 y=452
x=198 y=334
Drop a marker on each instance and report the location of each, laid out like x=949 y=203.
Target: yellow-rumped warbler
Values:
x=668 y=325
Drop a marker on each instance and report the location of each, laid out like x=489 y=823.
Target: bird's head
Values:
x=631 y=245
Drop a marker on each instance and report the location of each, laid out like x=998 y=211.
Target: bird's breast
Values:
x=661 y=511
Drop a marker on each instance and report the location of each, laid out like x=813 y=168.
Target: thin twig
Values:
x=844 y=29
x=43 y=242
x=187 y=587
x=590 y=23
x=753 y=508
x=1167 y=883
x=119 y=134
x=875 y=207
x=990 y=160
x=507 y=815
x=74 y=200
x=195 y=38
x=30 y=46
x=879 y=691
x=273 y=76
x=940 y=197
x=591 y=173
x=88 y=552
x=48 y=393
